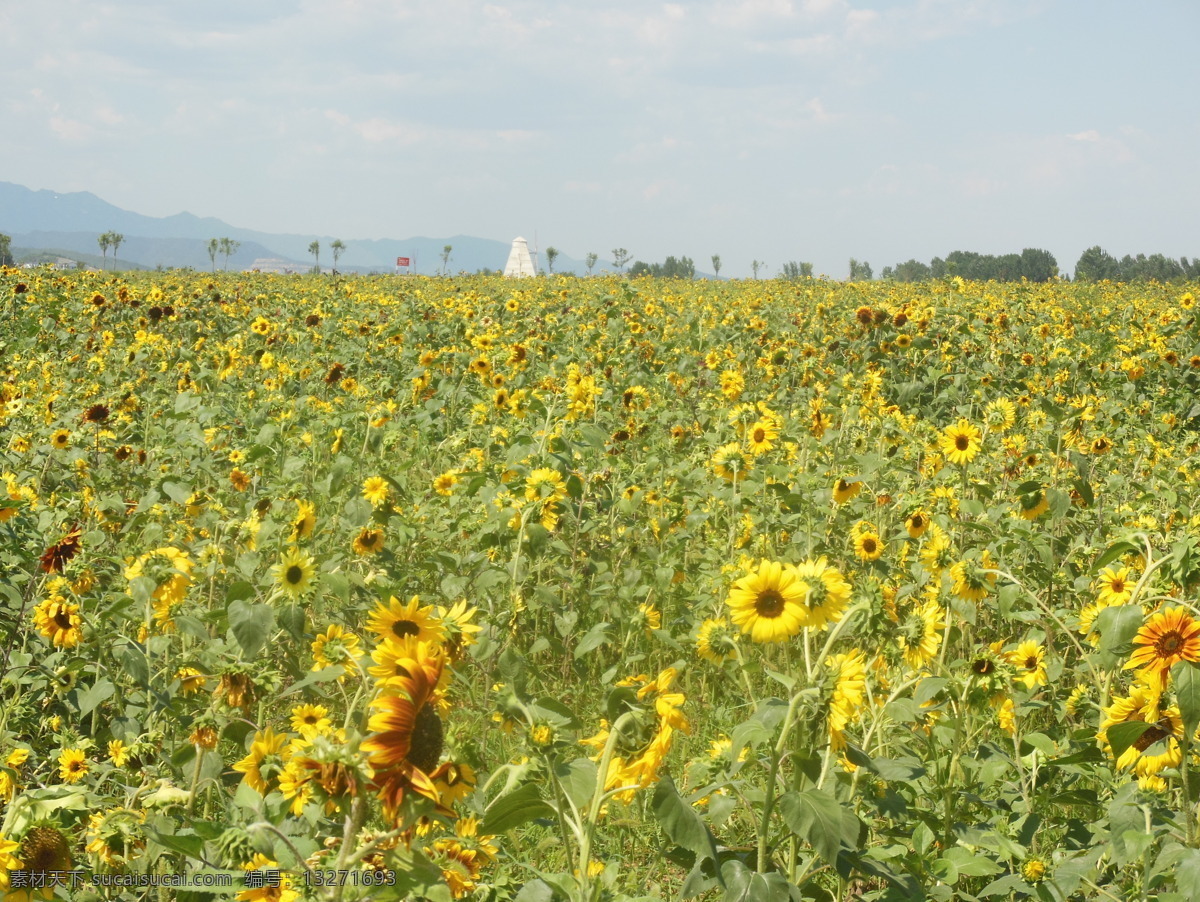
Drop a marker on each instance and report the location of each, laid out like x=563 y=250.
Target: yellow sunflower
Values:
x=769 y=604
x=72 y=765
x=828 y=592
x=376 y=490
x=1168 y=637
x=920 y=633
x=368 y=541
x=715 y=641
x=1115 y=586
x=960 y=443
x=1029 y=660
x=394 y=620
x=264 y=763
x=295 y=572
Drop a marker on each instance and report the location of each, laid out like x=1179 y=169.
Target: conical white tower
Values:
x=519 y=262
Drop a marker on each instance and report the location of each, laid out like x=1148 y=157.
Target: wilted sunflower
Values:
x=960 y=443
x=58 y=555
x=1168 y=637
x=769 y=604
x=97 y=413
x=393 y=620
x=368 y=541
x=295 y=572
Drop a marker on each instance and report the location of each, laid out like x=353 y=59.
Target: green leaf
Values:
x=1120 y=549
x=514 y=809
x=251 y=625
x=317 y=676
x=176 y=491
x=744 y=885
x=1186 y=678
x=680 y=822
x=594 y=638
x=191 y=846
x=577 y=779
x=101 y=691
x=1117 y=627
x=821 y=819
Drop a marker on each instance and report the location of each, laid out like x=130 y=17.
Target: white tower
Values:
x=519 y=262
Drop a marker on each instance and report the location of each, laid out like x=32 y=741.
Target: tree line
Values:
x=1096 y=264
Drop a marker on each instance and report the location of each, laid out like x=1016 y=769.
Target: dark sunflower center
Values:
x=1169 y=644
x=770 y=603
x=961 y=442
x=983 y=666
x=404 y=628
x=1031 y=663
x=62 y=620
x=760 y=435
x=1117 y=586
x=868 y=545
x=295 y=574
x=917 y=521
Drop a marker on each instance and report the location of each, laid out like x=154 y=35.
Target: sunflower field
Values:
x=597 y=589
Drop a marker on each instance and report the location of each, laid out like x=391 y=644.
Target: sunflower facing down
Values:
x=920 y=633
x=828 y=592
x=264 y=763
x=769 y=604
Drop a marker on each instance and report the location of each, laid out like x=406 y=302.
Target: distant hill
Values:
x=71 y=223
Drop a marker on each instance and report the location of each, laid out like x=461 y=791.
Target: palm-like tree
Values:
x=315 y=250
x=115 y=239
x=338 y=249
x=104 y=242
x=229 y=247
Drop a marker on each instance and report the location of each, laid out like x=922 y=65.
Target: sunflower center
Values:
x=295 y=574
x=62 y=620
x=1168 y=644
x=760 y=436
x=1031 y=663
x=868 y=545
x=962 y=443
x=917 y=521
x=770 y=603
x=1117 y=586
x=404 y=628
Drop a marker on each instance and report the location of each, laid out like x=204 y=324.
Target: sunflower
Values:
x=769 y=604
x=58 y=620
x=1029 y=660
x=454 y=781
x=61 y=439
x=960 y=443
x=445 y=483
x=295 y=572
x=264 y=763
x=546 y=485
x=394 y=620
x=72 y=765
x=867 y=545
x=730 y=462
x=304 y=521
x=265 y=890
x=334 y=646
x=828 y=592
x=368 y=541
x=1158 y=747
x=376 y=490
x=458 y=625
x=44 y=849
x=116 y=835
x=57 y=556
x=916 y=523
x=403 y=717
x=1168 y=637
x=1033 y=504
x=1000 y=415
x=311 y=720
x=1115 y=586
x=920 y=633
x=761 y=437
x=970 y=581
x=118 y=752
x=715 y=641
x=848 y=679
x=843 y=491
x=937 y=554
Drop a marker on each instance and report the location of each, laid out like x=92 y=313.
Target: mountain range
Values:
x=70 y=224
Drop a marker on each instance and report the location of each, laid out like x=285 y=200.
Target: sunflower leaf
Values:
x=1122 y=735
x=250 y=624
x=513 y=809
x=1186 y=677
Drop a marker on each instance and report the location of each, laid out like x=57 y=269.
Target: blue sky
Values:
x=776 y=130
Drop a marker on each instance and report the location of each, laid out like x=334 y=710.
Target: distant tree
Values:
x=590 y=260
x=551 y=256
x=1038 y=265
x=338 y=248
x=6 y=258
x=620 y=258
x=859 y=271
x=639 y=268
x=1096 y=264
x=755 y=266
x=214 y=248
x=683 y=268
x=229 y=247
x=446 y=258
x=116 y=239
x=315 y=250
x=105 y=244
x=794 y=271
x=716 y=262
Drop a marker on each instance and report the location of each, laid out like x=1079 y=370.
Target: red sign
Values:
x=402 y=261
